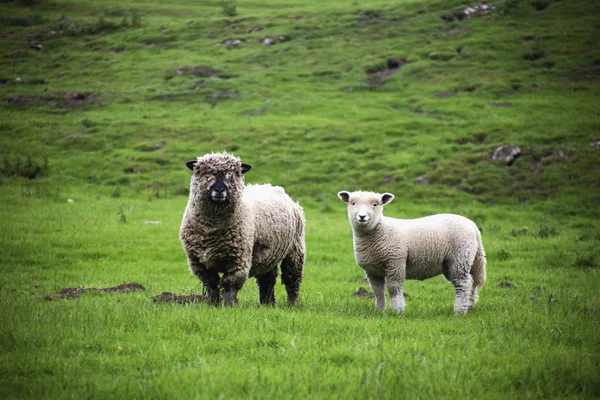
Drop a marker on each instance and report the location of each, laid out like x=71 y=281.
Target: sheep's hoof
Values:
x=230 y=299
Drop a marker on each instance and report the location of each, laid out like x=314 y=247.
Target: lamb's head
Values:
x=365 y=209
x=217 y=178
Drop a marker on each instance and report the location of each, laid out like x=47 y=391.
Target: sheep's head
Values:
x=365 y=209
x=217 y=178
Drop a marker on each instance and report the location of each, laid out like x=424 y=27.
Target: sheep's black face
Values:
x=217 y=179
x=218 y=192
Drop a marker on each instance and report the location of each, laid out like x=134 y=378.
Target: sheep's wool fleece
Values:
x=262 y=224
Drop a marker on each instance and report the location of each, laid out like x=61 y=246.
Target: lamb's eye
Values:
x=353 y=203
x=375 y=204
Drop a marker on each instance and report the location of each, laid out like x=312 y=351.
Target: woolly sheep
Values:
x=241 y=231
x=391 y=250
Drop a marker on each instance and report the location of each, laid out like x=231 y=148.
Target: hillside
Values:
x=103 y=102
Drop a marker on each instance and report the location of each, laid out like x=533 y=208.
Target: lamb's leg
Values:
x=209 y=278
x=394 y=282
x=232 y=283
x=291 y=276
x=462 y=287
x=474 y=296
x=378 y=286
x=266 y=286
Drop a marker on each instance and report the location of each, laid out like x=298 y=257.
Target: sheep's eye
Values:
x=353 y=203
x=375 y=204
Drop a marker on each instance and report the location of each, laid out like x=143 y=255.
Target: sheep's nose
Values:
x=362 y=218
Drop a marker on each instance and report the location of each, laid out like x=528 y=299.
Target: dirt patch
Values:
x=202 y=71
x=71 y=99
x=80 y=98
x=380 y=71
x=220 y=95
x=30 y=100
x=167 y=297
x=76 y=292
x=506 y=285
x=362 y=292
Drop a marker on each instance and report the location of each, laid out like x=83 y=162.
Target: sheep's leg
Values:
x=232 y=283
x=378 y=286
x=462 y=288
x=266 y=286
x=474 y=296
x=209 y=278
x=291 y=276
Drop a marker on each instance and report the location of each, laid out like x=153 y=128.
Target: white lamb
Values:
x=391 y=250
x=241 y=231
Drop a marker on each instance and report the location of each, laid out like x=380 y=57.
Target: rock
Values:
x=595 y=144
x=507 y=153
x=422 y=181
x=37 y=47
x=267 y=42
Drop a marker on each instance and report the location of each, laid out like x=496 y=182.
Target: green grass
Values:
x=307 y=115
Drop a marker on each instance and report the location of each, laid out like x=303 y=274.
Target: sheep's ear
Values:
x=190 y=164
x=386 y=198
x=245 y=168
x=344 y=196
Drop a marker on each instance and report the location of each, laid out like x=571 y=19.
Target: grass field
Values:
x=103 y=103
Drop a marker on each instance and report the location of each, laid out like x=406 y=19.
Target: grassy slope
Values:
x=319 y=128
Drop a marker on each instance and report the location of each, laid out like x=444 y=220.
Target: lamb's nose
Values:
x=362 y=217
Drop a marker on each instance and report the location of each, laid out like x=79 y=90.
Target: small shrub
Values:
x=229 y=8
x=510 y=6
x=540 y=5
x=22 y=21
x=588 y=261
x=504 y=255
x=545 y=231
x=523 y=231
x=121 y=214
x=31 y=169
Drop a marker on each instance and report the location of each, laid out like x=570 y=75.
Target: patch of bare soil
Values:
x=71 y=99
x=167 y=297
x=202 y=71
x=362 y=292
x=76 y=292
x=80 y=98
x=376 y=74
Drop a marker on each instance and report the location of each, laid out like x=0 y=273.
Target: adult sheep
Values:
x=241 y=231
x=391 y=250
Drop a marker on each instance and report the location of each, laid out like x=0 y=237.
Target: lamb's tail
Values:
x=478 y=268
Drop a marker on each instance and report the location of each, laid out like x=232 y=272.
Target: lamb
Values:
x=391 y=250
x=240 y=232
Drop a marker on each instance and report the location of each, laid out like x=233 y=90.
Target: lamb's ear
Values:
x=344 y=196
x=245 y=168
x=190 y=164
x=386 y=198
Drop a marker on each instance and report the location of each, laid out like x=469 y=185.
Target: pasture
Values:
x=103 y=103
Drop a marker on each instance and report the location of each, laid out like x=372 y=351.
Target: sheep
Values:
x=240 y=232
x=391 y=250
